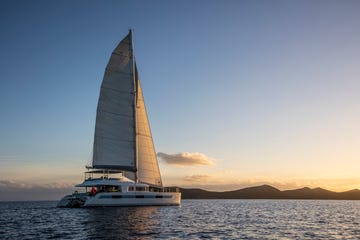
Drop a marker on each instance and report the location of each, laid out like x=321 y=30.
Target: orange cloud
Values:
x=186 y=159
x=197 y=178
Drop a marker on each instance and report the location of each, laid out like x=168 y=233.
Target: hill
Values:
x=269 y=192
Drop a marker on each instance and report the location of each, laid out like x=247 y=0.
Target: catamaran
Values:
x=125 y=170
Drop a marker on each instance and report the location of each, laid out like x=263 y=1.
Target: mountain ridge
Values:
x=270 y=192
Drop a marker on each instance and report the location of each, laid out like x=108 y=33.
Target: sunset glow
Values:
x=238 y=94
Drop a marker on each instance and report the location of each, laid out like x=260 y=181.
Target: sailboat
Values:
x=124 y=170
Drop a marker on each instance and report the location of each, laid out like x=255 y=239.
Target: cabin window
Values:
x=141 y=189
x=114 y=189
x=108 y=188
x=138 y=189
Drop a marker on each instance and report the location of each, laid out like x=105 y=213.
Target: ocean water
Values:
x=194 y=219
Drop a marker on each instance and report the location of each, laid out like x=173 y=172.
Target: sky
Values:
x=238 y=93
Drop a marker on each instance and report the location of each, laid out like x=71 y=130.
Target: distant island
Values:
x=269 y=192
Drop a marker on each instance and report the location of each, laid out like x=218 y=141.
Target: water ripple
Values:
x=194 y=219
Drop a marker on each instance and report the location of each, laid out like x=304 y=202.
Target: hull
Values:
x=112 y=192
x=73 y=201
x=136 y=199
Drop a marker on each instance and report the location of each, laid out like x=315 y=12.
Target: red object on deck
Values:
x=93 y=191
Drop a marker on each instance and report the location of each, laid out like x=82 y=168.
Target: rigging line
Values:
x=134 y=75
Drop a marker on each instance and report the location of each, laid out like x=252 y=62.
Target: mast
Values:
x=135 y=103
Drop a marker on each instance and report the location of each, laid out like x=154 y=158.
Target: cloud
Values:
x=13 y=190
x=197 y=178
x=186 y=159
x=19 y=185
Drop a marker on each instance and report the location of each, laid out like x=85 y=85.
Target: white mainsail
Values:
x=123 y=138
x=114 y=142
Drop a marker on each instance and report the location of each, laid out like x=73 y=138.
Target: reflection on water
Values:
x=121 y=223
